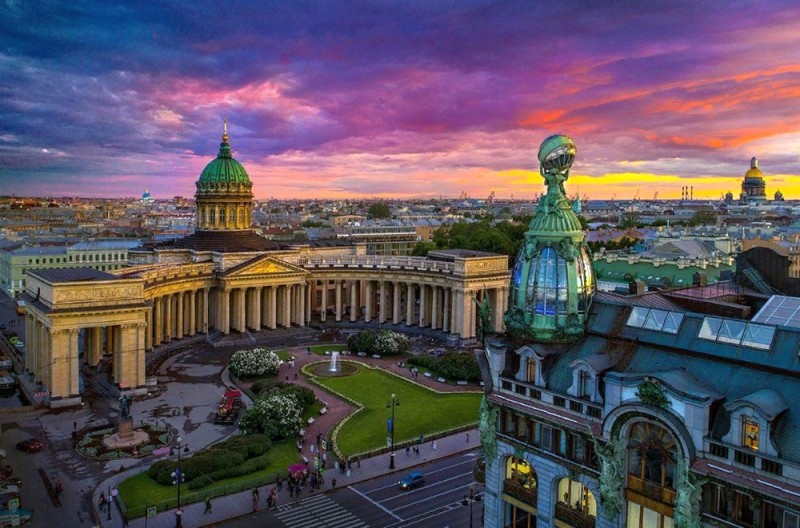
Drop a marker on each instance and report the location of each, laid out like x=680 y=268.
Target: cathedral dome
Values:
x=224 y=169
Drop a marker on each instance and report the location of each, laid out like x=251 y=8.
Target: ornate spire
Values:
x=225 y=146
x=225 y=130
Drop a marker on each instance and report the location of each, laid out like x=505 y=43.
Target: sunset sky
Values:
x=398 y=99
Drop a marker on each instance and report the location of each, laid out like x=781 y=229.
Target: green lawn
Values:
x=141 y=491
x=321 y=349
x=421 y=411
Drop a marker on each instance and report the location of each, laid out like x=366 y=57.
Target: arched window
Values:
x=652 y=452
x=222 y=216
x=520 y=494
x=574 y=500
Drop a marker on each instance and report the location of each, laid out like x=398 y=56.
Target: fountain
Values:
x=334 y=361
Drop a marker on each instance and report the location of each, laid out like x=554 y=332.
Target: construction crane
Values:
x=636 y=196
x=490 y=199
x=655 y=196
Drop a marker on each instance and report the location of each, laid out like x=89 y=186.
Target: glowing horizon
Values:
x=349 y=100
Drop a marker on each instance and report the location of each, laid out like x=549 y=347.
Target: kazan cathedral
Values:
x=224 y=281
x=667 y=409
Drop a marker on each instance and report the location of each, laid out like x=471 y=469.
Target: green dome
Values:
x=224 y=169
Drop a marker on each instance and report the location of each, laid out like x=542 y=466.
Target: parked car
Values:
x=31 y=445
x=5 y=362
x=412 y=480
x=6 y=487
x=8 y=383
x=20 y=345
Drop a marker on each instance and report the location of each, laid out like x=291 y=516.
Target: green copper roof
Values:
x=224 y=169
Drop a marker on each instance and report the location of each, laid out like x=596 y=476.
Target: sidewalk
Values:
x=239 y=504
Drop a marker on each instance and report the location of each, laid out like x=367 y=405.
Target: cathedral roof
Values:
x=224 y=169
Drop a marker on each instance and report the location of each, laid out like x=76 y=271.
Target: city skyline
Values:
x=361 y=99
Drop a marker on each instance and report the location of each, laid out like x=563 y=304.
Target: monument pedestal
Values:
x=125 y=431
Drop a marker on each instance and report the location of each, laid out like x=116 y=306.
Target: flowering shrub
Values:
x=274 y=414
x=384 y=342
x=256 y=362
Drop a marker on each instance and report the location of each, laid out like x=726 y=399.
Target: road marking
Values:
x=424 y=518
x=381 y=506
x=426 y=487
x=316 y=511
x=429 y=497
x=394 y=484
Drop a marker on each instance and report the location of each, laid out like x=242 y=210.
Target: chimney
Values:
x=636 y=287
x=699 y=279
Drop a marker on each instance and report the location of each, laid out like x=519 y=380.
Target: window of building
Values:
x=750 y=433
x=641 y=517
x=531 y=371
x=779 y=517
x=651 y=456
x=584 y=387
x=575 y=497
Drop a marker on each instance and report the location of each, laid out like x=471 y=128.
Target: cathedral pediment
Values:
x=263 y=265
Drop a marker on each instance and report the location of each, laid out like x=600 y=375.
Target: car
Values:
x=31 y=445
x=412 y=480
x=5 y=362
x=19 y=345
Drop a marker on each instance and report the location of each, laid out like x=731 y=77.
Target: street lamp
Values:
x=177 y=478
x=392 y=404
x=468 y=501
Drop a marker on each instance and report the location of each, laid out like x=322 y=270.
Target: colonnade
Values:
x=425 y=305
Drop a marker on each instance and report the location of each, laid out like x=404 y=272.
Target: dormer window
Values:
x=531 y=371
x=750 y=433
x=584 y=387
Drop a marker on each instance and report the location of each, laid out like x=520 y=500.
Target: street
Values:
x=380 y=503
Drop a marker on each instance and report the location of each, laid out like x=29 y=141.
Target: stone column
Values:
x=467 y=318
x=64 y=367
x=382 y=302
x=458 y=313
x=369 y=300
x=179 y=313
x=240 y=306
x=273 y=307
x=30 y=353
x=301 y=304
x=192 y=316
x=410 y=299
x=287 y=306
x=423 y=301
x=434 y=307
x=168 y=317
x=446 y=311
x=355 y=306
x=148 y=335
x=130 y=357
x=396 y=303
x=323 y=310
x=94 y=342
x=257 y=308
x=225 y=312
x=338 y=300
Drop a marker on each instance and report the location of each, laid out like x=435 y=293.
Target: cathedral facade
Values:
x=225 y=278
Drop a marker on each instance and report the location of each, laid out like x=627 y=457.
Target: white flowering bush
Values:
x=390 y=343
x=256 y=362
x=276 y=415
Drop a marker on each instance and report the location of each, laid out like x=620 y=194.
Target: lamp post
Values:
x=177 y=478
x=468 y=501
x=392 y=404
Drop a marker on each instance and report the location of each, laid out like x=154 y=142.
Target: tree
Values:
x=703 y=218
x=379 y=210
x=629 y=220
x=584 y=222
x=422 y=248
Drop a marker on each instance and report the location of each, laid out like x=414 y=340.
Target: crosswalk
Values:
x=317 y=512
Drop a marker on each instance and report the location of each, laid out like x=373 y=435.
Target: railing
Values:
x=518 y=491
x=375 y=261
x=575 y=518
x=651 y=490
x=163 y=271
x=571 y=405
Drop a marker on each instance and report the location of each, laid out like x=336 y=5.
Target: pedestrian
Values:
x=434 y=444
x=279 y=483
x=102 y=501
x=269 y=501
x=349 y=464
x=256 y=496
x=358 y=462
x=309 y=350
x=287 y=377
x=297 y=490
x=333 y=483
x=208 y=506
x=467 y=437
x=274 y=495
x=408 y=451
x=59 y=489
x=421 y=439
x=291 y=490
x=295 y=376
